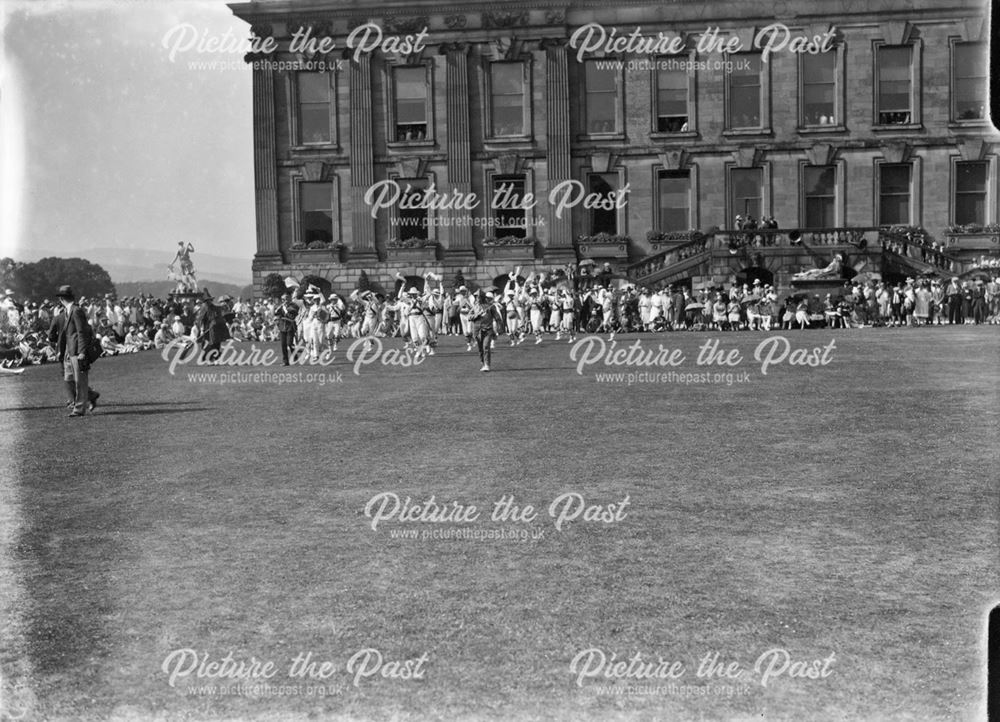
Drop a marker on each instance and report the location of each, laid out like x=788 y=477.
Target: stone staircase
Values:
x=722 y=254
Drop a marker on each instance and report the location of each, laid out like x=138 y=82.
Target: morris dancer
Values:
x=515 y=311
x=336 y=309
x=465 y=304
x=533 y=301
x=370 y=313
x=607 y=302
x=433 y=309
x=486 y=318
x=555 y=313
x=416 y=312
x=568 y=302
x=314 y=325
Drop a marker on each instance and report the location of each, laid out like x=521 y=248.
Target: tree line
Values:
x=38 y=280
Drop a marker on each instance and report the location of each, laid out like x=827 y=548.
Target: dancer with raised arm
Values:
x=486 y=317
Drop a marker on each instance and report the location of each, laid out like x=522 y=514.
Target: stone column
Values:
x=265 y=163
x=457 y=136
x=557 y=127
x=362 y=157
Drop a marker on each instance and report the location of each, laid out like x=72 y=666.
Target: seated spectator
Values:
x=163 y=336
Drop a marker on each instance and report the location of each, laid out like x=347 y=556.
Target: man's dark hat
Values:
x=65 y=292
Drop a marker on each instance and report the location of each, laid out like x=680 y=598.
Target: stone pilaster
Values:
x=557 y=127
x=362 y=155
x=459 y=237
x=265 y=164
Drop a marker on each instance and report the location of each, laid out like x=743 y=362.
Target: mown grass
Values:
x=846 y=510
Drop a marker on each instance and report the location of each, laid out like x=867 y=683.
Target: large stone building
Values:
x=541 y=133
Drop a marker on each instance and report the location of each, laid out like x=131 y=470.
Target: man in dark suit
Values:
x=72 y=334
x=213 y=329
x=284 y=318
x=955 y=297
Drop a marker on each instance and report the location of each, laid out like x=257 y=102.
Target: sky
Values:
x=115 y=130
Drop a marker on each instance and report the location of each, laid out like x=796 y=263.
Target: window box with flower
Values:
x=603 y=245
x=302 y=252
x=974 y=237
x=411 y=249
x=508 y=247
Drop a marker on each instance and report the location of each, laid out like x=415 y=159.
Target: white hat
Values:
x=8 y=292
x=413 y=291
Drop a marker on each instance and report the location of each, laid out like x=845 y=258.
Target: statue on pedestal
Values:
x=186 y=281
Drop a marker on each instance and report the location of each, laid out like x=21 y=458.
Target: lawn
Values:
x=825 y=534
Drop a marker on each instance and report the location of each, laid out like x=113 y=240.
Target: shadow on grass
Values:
x=108 y=406
x=519 y=369
x=146 y=412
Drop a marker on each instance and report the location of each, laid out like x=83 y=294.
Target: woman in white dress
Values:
x=555 y=312
x=415 y=308
x=335 y=308
x=533 y=301
x=515 y=314
x=566 y=300
x=314 y=326
x=465 y=308
x=655 y=310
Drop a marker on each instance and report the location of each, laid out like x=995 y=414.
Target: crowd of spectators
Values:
x=133 y=324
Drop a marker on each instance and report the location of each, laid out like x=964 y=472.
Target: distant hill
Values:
x=128 y=265
x=160 y=289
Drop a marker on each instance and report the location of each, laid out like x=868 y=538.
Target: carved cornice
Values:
x=405 y=26
x=455 y=22
x=555 y=16
x=318 y=28
x=499 y=19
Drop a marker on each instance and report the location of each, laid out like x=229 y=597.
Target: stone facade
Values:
x=460 y=148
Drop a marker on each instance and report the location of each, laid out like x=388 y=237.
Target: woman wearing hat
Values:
x=533 y=301
x=568 y=302
x=515 y=313
x=463 y=303
x=314 y=326
x=921 y=304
